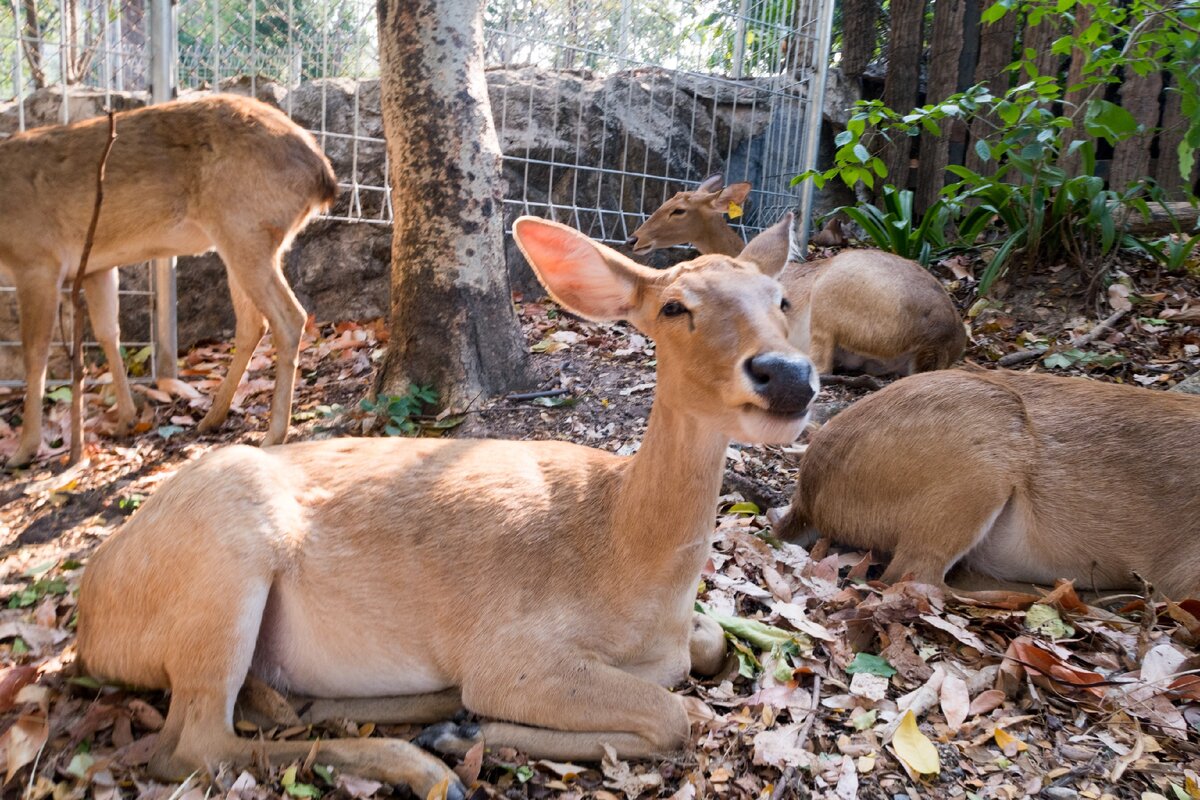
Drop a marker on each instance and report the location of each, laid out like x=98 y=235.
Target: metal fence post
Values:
x=162 y=90
x=816 y=118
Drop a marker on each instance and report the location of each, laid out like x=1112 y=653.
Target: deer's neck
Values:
x=718 y=238
x=667 y=504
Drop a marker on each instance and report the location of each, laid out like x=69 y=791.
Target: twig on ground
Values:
x=518 y=396
x=851 y=381
x=77 y=301
x=1021 y=356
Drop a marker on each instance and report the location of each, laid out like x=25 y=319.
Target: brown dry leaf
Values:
x=986 y=702
x=472 y=762
x=781 y=747
x=12 y=680
x=618 y=775
x=955 y=701
x=1008 y=744
x=24 y=740
x=1024 y=653
x=914 y=748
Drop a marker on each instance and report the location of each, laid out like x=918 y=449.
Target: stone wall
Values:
x=653 y=119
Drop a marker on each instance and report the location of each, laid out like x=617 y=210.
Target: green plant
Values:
x=1176 y=253
x=892 y=228
x=396 y=413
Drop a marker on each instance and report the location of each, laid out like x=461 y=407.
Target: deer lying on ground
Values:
x=1018 y=476
x=554 y=590
x=872 y=312
x=696 y=218
x=861 y=310
x=223 y=172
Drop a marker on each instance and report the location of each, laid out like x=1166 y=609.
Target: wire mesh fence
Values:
x=604 y=108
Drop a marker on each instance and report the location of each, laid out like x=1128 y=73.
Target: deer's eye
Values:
x=677 y=211
x=784 y=305
x=673 y=308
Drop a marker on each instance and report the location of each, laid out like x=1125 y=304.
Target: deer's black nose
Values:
x=631 y=241
x=787 y=382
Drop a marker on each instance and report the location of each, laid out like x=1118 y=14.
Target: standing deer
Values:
x=1018 y=476
x=553 y=594
x=223 y=172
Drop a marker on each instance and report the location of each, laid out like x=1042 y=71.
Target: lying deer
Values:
x=861 y=310
x=697 y=218
x=554 y=592
x=1022 y=477
x=873 y=312
x=222 y=172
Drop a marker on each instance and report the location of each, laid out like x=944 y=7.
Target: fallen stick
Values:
x=77 y=304
x=852 y=381
x=1021 y=356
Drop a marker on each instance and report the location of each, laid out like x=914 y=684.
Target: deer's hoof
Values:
x=455 y=738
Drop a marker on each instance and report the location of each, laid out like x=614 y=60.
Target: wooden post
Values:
x=995 y=53
x=946 y=48
x=903 y=80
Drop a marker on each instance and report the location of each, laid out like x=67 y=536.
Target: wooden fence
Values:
x=955 y=50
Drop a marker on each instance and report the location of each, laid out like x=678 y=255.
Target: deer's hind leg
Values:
x=37 y=304
x=567 y=706
x=205 y=678
x=103 y=309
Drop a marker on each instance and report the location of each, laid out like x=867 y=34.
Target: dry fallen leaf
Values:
x=955 y=700
x=914 y=748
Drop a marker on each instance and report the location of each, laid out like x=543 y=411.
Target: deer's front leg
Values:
x=565 y=706
x=706 y=645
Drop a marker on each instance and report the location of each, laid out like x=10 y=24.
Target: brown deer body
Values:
x=223 y=172
x=549 y=584
x=1018 y=476
x=873 y=312
x=861 y=310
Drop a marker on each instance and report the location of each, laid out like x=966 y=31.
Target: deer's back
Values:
x=177 y=174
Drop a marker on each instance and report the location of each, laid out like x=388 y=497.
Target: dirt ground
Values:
x=850 y=690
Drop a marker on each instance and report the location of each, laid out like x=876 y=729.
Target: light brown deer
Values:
x=859 y=311
x=696 y=218
x=223 y=172
x=550 y=585
x=872 y=312
x=1021 y=477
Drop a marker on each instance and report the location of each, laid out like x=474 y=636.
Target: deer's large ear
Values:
x=735 y=193
x=769 y=250
x=583 y=276
x=713 y=183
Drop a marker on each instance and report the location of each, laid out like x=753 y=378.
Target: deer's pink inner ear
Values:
x=574 y=270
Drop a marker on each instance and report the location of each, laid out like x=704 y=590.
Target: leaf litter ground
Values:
x=836 y=685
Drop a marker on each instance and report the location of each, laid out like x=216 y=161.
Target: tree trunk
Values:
x=903 y=80
x=946 y=48
x=452 y=320
x=858 y=36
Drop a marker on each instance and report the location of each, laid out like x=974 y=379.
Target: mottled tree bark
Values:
x=903 y=79
x=946 y=44
x=452 y=320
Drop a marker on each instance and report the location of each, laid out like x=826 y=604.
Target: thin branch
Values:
x=77 y=300
x=1021 y=356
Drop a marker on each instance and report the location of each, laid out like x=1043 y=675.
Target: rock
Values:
x=1189 y=385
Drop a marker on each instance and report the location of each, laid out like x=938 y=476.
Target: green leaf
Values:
x=1046 y=620
x=1058 y=361
x=870 y=664
x=984 y=151
x=1109 y=121
x=862 y=154
x=80 y=764
x=61 y=394
x=167 y=431
x=523 y=773
x=843 y=138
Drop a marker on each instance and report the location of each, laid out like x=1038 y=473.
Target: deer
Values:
x=697 y=218
x=223 y=172
x=858 y=311
x=1017 y=477
x=555 y=599
x=872 y=312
